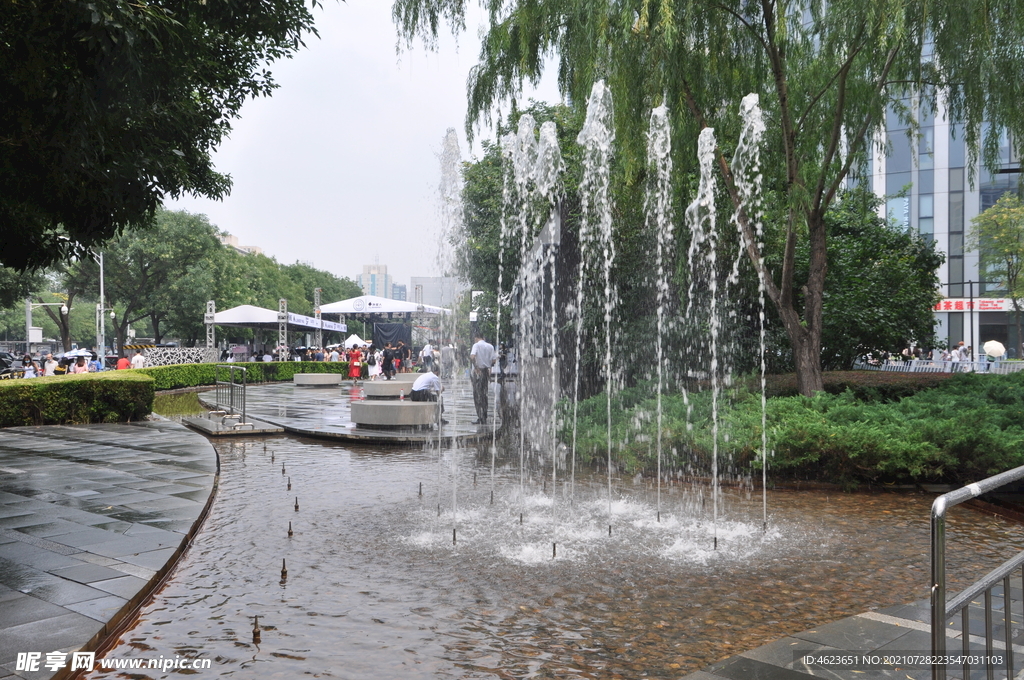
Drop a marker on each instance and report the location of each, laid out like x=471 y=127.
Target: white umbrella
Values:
x=994 y=349
x=81 y=352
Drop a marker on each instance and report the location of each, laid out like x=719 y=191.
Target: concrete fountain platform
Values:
x=92 y=518
x=327 y=413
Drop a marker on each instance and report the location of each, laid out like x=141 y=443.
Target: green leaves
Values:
x=106 y=107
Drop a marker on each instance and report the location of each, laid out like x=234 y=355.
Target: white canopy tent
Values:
x=371 y=304
x=249 y=316
x=353 y=341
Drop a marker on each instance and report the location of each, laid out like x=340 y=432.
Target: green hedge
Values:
x=883 y=386
x=107 y=397
x=964 y=428
x=194 y=375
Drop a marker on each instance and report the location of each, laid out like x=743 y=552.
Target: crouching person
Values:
x=428 y=388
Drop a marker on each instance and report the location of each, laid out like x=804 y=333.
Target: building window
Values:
x=926 y=216
x=956 y=233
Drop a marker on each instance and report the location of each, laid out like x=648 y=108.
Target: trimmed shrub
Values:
x=194 y=375
x=107 y=397
x=967 y=427
x=865 y=385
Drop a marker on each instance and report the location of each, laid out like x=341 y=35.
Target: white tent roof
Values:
x=353 y=340
x=250 y=316
x=371 y=304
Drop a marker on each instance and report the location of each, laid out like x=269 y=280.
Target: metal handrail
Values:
x=999 y=367
x=230 y=393
x=943 y=610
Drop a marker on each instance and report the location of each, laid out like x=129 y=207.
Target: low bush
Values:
x=865 y=385
x=194 y=375
x=107 y=397
x=964 y=428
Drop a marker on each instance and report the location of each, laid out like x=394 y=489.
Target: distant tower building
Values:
x=375 y=280
x=232 y=242
x=439 y=291
x=398 y=292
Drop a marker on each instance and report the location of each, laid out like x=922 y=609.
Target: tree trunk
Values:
x=155 y=320
x=805 y=332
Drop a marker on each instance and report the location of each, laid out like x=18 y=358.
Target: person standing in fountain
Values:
x=481 y=358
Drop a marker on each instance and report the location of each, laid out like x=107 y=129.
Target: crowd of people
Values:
x=90 y=362
x=955 y=354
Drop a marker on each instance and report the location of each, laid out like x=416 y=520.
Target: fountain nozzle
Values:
x=289 y=483
x=290 y=533
x=256 y=631
x=296 y=504
x=284 y=570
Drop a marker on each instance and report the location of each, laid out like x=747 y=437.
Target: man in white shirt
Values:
x=49 y=365
x=428 y=387
x=481 y=358
x=267 y=357
x=138 y=361
x=427 y=356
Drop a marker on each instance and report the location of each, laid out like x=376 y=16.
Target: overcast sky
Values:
x=340 y=166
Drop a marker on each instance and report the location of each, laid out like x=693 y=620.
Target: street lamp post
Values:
x=29 y=306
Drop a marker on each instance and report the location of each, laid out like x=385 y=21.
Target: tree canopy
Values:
x=826 y=74
x=998 y=235
x=107 y=107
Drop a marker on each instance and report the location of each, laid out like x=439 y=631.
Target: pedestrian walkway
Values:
x=891 y=632
x=325 y=412
x=91 y=519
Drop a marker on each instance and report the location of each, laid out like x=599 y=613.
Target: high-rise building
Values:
x=939 y=205
x=231 y=241
x=398 y=292
x=375 y=280
x=440 y=291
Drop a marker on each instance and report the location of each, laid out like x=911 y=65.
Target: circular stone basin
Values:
x=386 y=389
x=317 y=379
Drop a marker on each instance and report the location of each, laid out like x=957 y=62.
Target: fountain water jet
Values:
x=596 y=138
x=703 y=261
x=746 y=171
x=659 y=216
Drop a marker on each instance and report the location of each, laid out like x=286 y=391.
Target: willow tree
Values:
x=826 y=73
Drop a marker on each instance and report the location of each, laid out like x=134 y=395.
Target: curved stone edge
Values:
x=106 y=638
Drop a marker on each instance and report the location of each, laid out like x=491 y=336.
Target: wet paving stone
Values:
x=68 y=563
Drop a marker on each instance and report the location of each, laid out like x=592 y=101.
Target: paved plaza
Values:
x=91 y=518
x=891 y=631
x=326 y=411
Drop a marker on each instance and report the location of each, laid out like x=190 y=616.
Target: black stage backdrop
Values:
x=384 y=333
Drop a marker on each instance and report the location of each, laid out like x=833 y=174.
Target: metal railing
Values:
x=929 y=366
x=229 y=393
x=943 y=610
